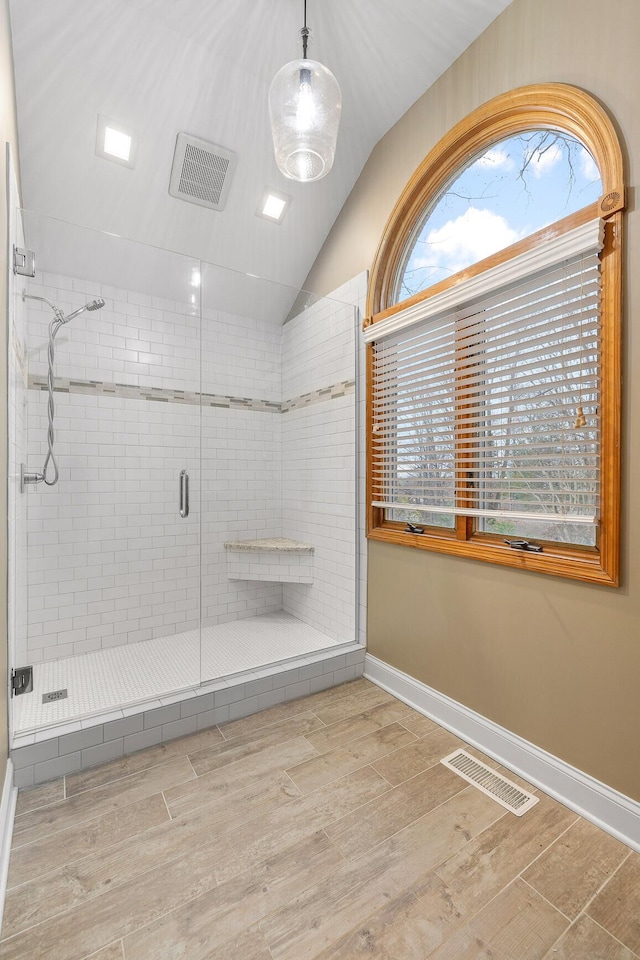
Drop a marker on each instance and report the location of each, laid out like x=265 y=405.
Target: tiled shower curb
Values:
x=55 y=751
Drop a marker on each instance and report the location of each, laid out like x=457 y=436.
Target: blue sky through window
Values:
x=516 y=187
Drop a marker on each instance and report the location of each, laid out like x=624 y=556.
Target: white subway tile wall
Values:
x=318 y=346
x=241 y=356
x=319 y=459
x=241 y=497
x=127 y=341
x=270 y=566
x=358 y=289
x=319 y=507
x=110 y=560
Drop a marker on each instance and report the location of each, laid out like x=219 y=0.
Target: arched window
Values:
x=494 y=339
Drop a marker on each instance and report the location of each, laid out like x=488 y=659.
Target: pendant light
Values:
x=304 y=105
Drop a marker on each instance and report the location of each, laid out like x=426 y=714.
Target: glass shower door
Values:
x=113 y=548
x=279 y=475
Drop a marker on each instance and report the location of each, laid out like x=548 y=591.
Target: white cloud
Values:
x=541 y=162
x=588 y=166
x=495 y=158
x=466 y=240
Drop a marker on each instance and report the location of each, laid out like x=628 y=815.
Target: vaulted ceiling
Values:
x=204 y=67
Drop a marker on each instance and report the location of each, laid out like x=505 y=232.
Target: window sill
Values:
x=555 y=560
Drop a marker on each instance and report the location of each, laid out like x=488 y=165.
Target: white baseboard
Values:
x=593 y=800
x=7 y=814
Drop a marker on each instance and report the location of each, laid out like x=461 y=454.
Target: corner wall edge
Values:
x=602 y=805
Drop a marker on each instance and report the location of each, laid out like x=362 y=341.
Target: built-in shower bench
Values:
x=274 y=559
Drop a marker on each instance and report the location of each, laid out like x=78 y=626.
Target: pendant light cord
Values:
x=305 y=33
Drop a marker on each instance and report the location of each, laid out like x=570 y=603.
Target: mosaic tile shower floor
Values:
x=105 y=679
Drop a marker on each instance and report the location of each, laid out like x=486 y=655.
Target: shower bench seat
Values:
x=271 y=559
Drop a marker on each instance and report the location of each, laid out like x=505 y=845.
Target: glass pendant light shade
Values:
x=304 y=105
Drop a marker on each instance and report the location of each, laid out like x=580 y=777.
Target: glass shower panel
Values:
x=16 y=435
x=113 y=548
x=278 y=474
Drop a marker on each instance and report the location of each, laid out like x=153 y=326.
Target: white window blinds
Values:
x=489 y=406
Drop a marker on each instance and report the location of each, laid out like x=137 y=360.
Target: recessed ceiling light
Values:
x=273 y=205
x=114 y=142
x=117 y=144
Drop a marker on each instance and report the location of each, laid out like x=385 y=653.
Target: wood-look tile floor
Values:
x=324 y=828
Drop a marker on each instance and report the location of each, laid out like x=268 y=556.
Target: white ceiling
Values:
x=204 y=67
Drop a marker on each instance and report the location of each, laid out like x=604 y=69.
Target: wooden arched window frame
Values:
x=557 y=107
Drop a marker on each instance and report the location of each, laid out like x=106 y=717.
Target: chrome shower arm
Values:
x=58 y=312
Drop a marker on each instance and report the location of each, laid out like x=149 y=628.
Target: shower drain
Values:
x=54 y=695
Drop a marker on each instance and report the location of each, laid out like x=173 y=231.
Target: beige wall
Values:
x=8 y=133
x=554 y=661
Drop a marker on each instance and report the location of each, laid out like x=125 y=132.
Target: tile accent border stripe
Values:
x=318 y=396
x=159 y=394
x=162 y=395
x=609 y=809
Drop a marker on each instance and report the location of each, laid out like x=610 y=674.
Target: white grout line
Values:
x=549 y=845
x=608 y=932
x=167 y=805
x=546 y=900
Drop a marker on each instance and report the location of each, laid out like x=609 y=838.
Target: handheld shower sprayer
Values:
x=97 y=304
x=59 y=319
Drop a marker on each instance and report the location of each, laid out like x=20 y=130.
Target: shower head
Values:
x=97 y=304
x=60 y=318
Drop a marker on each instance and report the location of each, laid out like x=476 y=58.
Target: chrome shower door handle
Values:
x=184 y=494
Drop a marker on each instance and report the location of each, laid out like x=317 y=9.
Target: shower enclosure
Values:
x=202 y=530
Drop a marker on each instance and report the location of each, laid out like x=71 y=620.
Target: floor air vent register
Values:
x=493 y=784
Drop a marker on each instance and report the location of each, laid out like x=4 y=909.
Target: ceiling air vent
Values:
x=201 y=172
